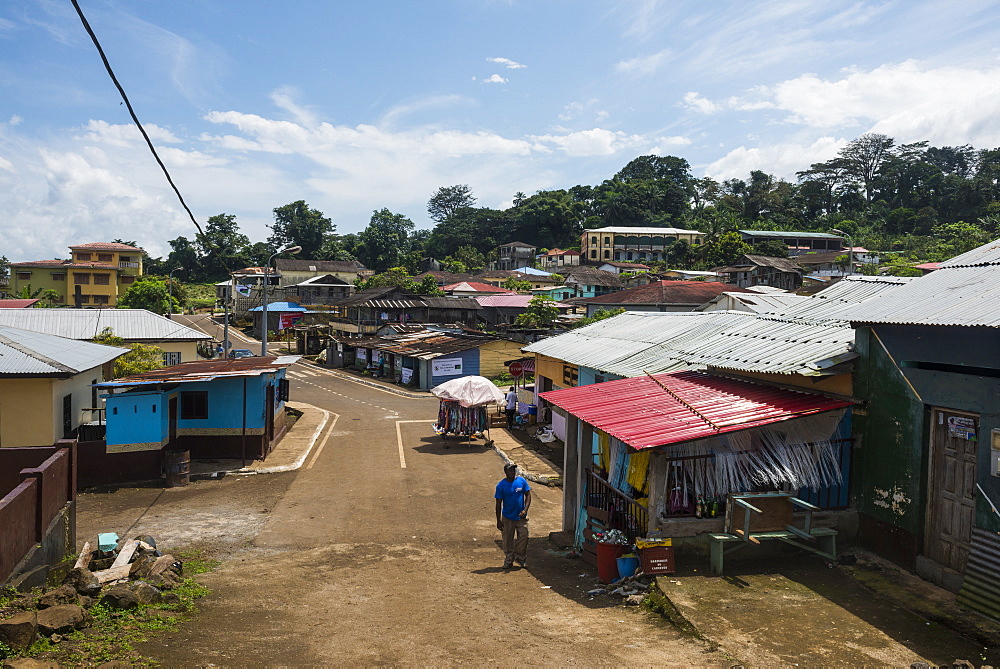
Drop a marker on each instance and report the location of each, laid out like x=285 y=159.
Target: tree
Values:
x=469 y=257
x=771 y=248
x=149 y=294
x=726 y=250
x=866 y=155
x=4 y=267
x=540 y=313
x=448 y=200
x=516 y=285
x=139 y=358
x=184 y=254
x=385 y=241
x=222 y=246
x=297 y=224
x=600 y=315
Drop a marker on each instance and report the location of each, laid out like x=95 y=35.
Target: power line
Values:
x=149 y=142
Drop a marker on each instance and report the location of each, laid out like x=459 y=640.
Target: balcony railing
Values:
x=128 y=265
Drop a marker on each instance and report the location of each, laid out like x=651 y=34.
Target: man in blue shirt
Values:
x=513 y=497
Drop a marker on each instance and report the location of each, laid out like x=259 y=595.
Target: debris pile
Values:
x=116 y=574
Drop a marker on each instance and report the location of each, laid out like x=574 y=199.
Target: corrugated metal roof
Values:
x=951 y=295
x=987 y=254
x=430 y=344
x=512 y=300
x=833 y=302
x=283 y=306
x=17 y=303
x=205 y=370
x=790 y=235
x=641 y=413
x=643 y=231
x=129 y=324
x=27 y=353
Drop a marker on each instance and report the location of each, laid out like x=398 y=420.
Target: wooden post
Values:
x=571 y=475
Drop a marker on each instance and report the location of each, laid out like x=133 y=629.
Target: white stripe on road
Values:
x=399 y=439
x=319 y=449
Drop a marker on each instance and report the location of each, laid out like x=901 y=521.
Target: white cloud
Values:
x=595 y=142
x=782 y=160
x=910 y=101
x=494 y=79
x=700 y=104
x=644 y=65
x=508 y=63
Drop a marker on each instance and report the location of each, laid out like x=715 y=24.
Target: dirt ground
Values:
x=381 y=550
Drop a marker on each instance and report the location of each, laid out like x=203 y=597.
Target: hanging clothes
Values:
x=453 y=418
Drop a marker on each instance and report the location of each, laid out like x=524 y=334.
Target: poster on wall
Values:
x=962 y=427
x=446 y=367
x=406 y=374
x=361 y=354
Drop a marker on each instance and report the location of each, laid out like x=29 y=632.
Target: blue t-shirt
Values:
x=512 y=494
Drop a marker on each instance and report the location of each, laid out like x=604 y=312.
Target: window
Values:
x=100 y=299
x=102 y=279
x=126 y=278
x=569 y=375
x=593 y=240
x=81 y=279
x=283 y=390
x=170 y=358
x=124 y=258
x=85 y=299
x=607 y=254
x=83 y=256
x=607 y=241
x=58 y=276
x=593 y=253
x=194 y=404
x=105 y=257
x=23 y=276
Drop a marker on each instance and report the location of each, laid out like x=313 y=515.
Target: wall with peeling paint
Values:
x=891 y=427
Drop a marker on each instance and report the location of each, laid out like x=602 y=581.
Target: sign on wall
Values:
x=361 y=354
x=406 y=374
x=446 y=367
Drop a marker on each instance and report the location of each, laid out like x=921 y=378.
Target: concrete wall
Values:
x=892 y=427
x=494 y=354
x=31 y=409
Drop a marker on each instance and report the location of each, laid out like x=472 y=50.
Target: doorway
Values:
x=951 y=501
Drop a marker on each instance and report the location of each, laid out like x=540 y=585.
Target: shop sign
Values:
x=361 y=354
x=446 y=367
x=406 y=374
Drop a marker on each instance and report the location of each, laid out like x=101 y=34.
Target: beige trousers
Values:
x=514 y=539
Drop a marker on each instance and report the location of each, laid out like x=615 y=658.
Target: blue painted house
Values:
x=214 y=409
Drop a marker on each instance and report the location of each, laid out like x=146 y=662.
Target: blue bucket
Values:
x=627 y=566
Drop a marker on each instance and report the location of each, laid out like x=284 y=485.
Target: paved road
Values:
x=382 y=550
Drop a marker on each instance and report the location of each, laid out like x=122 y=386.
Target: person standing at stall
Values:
x=513 y=497
x=510 y=408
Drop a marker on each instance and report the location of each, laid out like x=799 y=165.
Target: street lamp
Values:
x=170 y=289
x=850 y=249
x=267 y=268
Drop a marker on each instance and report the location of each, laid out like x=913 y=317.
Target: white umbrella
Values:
x=469 y=391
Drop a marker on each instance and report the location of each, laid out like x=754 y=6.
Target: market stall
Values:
x=464 y=407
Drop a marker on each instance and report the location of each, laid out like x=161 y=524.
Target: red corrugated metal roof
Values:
x=639 y=412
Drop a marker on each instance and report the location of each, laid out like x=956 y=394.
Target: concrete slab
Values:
x=775 y=614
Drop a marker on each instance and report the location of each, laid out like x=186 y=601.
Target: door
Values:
x=172 y=419
x=951 y=501
x=67 y=417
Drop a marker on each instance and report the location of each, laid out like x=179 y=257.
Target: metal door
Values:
x=67 y=416
x=172 y=419
x=951 y=501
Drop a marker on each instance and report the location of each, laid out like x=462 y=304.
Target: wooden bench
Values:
x=755 y=517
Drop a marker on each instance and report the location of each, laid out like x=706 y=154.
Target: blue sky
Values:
x=355 y=106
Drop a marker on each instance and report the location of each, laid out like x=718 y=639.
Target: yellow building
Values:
x=46 y=391
x=623 y=244
x=94 y=277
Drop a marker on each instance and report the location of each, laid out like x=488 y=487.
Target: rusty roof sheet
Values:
x=430 y=344
x=105 y=246
x=645 y=412
x=206 y=370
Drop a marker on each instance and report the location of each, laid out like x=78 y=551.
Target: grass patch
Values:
x=113 y=634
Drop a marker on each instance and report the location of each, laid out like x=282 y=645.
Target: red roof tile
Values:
x=474 y=287
x=105 y=246
x=641 y=413
x=63 y=264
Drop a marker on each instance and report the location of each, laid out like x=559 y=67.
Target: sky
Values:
x=358 y=106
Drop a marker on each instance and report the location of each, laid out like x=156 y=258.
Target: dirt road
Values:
x=380 y=551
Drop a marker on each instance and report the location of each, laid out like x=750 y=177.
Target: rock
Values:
x=120 y=597
x=171 y=598
x=56 y=638
x=64 y=594
x=146 y=539
x=146 y=593
x=101 y=564
x=83 y=581
x=164 y=563
x=86 y=602
x=595 y=592
x=20 y=630
x=61 y=619
x=168 y=580
x=142 y=564
x=29 y=663
x=634 y=600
